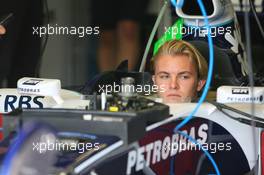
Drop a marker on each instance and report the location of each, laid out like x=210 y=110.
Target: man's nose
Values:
x=174 y=83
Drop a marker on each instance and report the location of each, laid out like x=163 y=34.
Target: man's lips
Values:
x=173 y=95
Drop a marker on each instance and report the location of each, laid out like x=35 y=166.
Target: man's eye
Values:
x=164 y=76
x=184 y=77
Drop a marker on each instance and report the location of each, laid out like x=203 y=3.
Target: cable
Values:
x=211 y=54
x=257 y=19
x=151 y=37
x=205 y=151
x=250 y=74
x=193 y=141
x=210 y=71
x=221 y=107
x=208 y=82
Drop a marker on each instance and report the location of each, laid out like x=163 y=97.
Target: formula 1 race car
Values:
x=49 y=130
x=135 y=134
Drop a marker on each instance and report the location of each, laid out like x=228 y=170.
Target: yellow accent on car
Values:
x=113 y=109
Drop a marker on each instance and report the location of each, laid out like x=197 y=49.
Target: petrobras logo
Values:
x=240 y=91
x=235 y=94
x=28 y=90
x=163 y=149
x=159 y=150
x=246 y=99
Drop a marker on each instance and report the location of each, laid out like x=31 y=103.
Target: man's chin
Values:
x=173 y=100
x=176 y=100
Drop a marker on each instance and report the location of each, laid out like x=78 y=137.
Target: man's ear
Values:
x=200 y=84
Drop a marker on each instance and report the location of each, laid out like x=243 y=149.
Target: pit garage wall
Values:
x=70 y=58
x=67 y=57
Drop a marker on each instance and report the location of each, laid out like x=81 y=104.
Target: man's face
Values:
x=176 y=77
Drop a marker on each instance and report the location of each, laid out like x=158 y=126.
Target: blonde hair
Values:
x=180 y=47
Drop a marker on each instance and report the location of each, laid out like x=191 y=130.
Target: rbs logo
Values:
x=23 y=102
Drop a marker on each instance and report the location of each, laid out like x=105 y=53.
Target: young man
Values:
x=2 y=30
x=180 y=72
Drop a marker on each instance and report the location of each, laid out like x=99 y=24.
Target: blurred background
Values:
x=124 y=30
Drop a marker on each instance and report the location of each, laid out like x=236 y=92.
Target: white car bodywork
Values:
x=47 y=94
x=247 y=136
